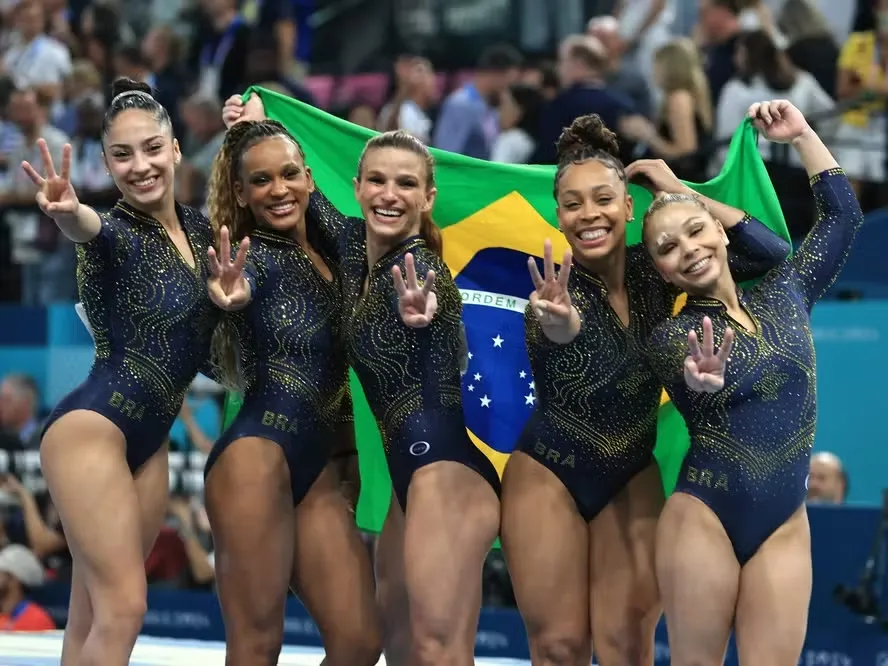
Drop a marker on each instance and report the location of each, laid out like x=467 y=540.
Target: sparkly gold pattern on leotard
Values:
x=289 y=334
x=751 y=441
x=149 y=310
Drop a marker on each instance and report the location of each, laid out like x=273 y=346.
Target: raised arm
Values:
x=822 y=254
x=753 y=250
x=58 y=200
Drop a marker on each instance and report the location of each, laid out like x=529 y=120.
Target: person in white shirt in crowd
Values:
x=46 y=258
x=409 y=109
x=645 y=26
x=765 y=72
x=36 y=59
x=519 y=111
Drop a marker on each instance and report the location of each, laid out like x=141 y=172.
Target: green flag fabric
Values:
x=492 y=216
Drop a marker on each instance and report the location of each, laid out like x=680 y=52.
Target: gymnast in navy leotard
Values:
x=581 y=498
x=141 y=274
x=735 y=545
x=406 y=344
x=280 y=344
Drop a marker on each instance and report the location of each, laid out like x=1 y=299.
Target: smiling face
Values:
x=688 y=247
x=394 y=193
x=274 y=183
x=142 y=155
x=593 y=206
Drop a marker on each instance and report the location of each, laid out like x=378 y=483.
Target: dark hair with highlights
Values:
x=402 y=140
x=224 y=211
x=226 y=172
x=588 y=138
x=127 y=94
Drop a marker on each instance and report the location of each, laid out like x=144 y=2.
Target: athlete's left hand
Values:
x=416 y=304
x=705 y=367
x=778 y=120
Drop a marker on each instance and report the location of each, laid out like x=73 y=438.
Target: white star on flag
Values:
x=497 y=341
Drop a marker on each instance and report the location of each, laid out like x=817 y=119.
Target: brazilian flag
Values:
x=492 y=216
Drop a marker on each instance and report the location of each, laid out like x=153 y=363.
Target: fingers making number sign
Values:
x=551 y=300
x=56 y=196
x=227 y=286
x=704 y=366
x=416 y=304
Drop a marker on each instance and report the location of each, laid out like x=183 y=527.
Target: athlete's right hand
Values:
x=705 y=366
x=550 y=299
x=227 y=286
x=236 y=110
x=56 y=196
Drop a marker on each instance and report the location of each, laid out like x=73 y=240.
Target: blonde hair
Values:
x=801 y=19
x=682 y=69
x=664 y=200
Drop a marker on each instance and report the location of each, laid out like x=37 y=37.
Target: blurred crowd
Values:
x=672 y=89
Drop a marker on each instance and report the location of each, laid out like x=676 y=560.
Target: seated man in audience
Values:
x=20 y=570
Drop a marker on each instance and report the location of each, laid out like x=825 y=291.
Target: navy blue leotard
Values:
x=595 y=422
x=751 y=442
x=410 y=376
x=152 y=322
x=291 y=358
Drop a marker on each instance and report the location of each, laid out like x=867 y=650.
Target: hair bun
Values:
x=587 y=133
x=124 y=85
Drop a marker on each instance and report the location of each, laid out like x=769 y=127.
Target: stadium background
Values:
x=344 y=55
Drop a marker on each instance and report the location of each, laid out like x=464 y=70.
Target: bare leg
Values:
x=775 y=590
x=250 y=508
x=625 y=599
x=546 y=547
x=452 y=520
x=391 y=587
x=699 y=581
x=333 y=578
x=83 y=460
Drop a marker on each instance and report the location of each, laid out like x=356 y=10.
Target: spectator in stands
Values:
x=620 y=78
x=410 y=109
x=360 y=112
x=544 y=77
x=200 y=564
x=861 y=137
x=19 y=571
x=89 y=174
x=129 y=61
x=264 y=69
x=45 y=257
x=219 y=54
x=811 y=44
x=683 y=124
x=582 y=64
x=85 y=81
x=38 y=528
x=163 y=50
x=203 y=139
x=827 y=481
x=102 y=30
x=519 y=122
x=285 y=21
x=718 y=28
x=467 y=122
x=19 y=402
x=765 y=72
x=645 y=26
x=36 y=60
x=58 y=23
